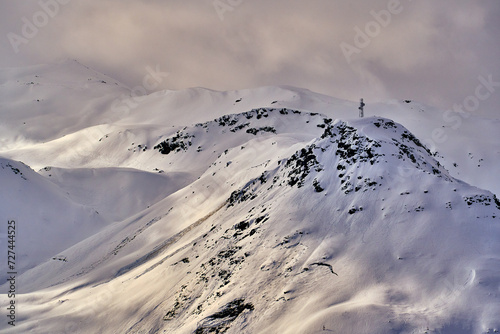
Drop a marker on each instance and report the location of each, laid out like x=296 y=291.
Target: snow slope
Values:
x=45 y=102
x=97 y=188
x=281 y=215
x=48 y=221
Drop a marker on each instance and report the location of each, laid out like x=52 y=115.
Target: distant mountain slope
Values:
x=44 y=102
x=116 y=193
x=47 y=220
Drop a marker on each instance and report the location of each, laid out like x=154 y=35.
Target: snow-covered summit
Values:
x=271 y=210
x=48 y=108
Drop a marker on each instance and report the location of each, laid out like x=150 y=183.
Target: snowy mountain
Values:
x=270 y=210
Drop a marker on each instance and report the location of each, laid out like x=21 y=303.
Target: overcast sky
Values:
x=427 y=50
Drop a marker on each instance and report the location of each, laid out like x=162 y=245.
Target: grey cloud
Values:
x=431 y=51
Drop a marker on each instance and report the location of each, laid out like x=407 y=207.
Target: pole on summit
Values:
x=361 y=109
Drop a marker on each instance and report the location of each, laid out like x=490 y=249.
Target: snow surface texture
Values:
x=258 y=211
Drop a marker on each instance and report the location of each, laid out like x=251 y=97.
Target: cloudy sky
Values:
x=427 y=50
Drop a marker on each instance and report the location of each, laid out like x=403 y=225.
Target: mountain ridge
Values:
x=30 y=125
x=273 y=219
x=225 y=236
